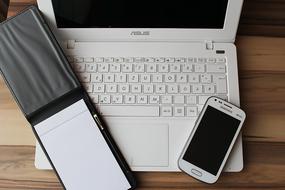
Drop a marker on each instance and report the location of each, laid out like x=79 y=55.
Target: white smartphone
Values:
x=210 y=143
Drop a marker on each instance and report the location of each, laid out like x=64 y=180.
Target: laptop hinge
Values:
x=209 y=45
x=70 y=44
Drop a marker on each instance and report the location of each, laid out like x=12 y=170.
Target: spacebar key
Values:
x=129 y=111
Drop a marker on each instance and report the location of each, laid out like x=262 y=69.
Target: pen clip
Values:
x=98 y=122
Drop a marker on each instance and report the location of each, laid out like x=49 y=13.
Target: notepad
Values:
x=78 y=150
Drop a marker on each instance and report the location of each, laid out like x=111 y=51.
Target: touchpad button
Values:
x=142 y=144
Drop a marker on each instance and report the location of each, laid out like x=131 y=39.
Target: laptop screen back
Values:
x=188 y=14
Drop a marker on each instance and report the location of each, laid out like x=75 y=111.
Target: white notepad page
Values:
x=79 y=152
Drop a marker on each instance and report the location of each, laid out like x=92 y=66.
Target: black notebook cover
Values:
x=40 y=77
x=32 y=63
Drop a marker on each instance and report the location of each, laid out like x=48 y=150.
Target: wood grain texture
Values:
x=17 y=172
x=259 y=17
x=262 y=88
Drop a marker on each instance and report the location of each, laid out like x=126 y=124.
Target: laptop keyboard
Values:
x=151 y=87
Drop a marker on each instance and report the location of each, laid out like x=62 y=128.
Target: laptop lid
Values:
x=147 y=20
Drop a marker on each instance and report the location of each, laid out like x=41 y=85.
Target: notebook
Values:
x=74 y=139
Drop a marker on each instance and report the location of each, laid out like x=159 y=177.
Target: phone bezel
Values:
x=226 y=108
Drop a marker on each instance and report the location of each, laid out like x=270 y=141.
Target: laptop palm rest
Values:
x=142 y=144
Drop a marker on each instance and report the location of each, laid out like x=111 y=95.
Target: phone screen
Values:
x=211 y=140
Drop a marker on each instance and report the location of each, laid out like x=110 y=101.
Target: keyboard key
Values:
x=187 y=68
x=160 y=88
x=175 y=68
x=109 y=60
x=197 y=88
x=163 y=68
x=121 y=78
x=78 y=59
x=129 y=60
x=118 y=60
x=209 y=89
x=95 y=77
x=130 y=99
x=111 y=88
x=115 y=68
x=206 y=78
x=138 y=59
x=129 y=111
x=109 y=78
x=99 y=59
x=220 y=60
x=90 y=67
x=123 y=88
x=179 y=111
x=136 y=88
x=160 y=60
x=99 y=88
x=216 y=68
x=191 y=111
x=172 y=88
x=127 y=67
x=169 y=78
x=142 y=99
x=202 y=99
x=211 y=60
x=139 y=68
x=103 y=67
x=88 y=59
x=151 y=68
x=166 y=111
x=180 y=60
x=221 y=83
x=191 y=99
x=117 y=99
x=191 y=60
x=166 y=99
x=199 y=68
x=179 y=99
x=157 y=78
x=202 y=60
x=104 y=99
x=145 y=78
x=154 y=99
x=148 y=88
x=149 y=60
x=193 y=78
x=169 y=60
x=184 y=88
x=133 y=78
x=181 y=78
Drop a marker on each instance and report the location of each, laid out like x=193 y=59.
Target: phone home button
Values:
x=196 y=172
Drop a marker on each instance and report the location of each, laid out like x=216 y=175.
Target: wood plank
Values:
x=262 y=87
x=17 y=171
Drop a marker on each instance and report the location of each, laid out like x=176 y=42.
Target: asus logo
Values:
x=140 y=33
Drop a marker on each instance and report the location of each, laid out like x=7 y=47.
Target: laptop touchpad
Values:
x=142 y=144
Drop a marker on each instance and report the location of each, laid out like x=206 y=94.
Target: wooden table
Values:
x=262 y=88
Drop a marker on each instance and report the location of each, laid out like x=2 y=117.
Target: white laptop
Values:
x=149 y=66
